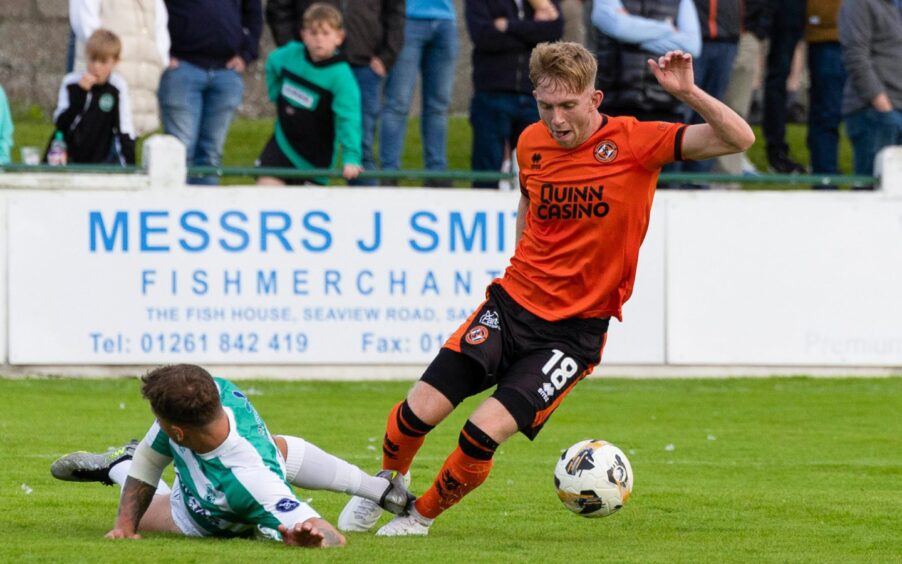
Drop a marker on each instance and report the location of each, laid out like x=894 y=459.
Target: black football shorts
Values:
x=533 y=362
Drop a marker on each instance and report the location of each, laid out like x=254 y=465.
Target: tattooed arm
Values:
x=136 y=498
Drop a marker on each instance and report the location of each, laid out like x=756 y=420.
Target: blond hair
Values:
x=322 y=13
x=102 y=45
x=562 y=63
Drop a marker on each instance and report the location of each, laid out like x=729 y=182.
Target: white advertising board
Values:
x=3 y=270
x=785 y=279
x=268 y=276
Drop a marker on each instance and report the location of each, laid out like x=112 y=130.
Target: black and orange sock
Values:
x=404 y=435
x=464 y=470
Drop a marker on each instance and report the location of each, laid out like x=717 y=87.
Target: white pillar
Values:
x=164 y=159
x=888 y=170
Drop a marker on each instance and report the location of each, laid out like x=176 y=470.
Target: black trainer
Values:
x=780 y=162
x=91 y=467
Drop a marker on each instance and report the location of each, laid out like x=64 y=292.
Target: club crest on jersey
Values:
x=477 y=335
x=606 y=151
x=287 y=504
x=490 y=319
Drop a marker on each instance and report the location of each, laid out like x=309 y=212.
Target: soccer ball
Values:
x=593 y=478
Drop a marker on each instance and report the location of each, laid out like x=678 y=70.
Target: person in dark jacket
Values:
x=93 y=113
x=374 y=37
x=628 y=33
x=504 y=33
x=213 y=42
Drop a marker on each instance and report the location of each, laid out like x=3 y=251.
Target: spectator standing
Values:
x=786 y=31
x=6 y=130
x=745 y=73
x=631 y=32
x=93 y=112
x=430 y=49
x=213 y=42
x=870 y=32
x=317 y=100
x=373 y=39
x=504 y=33
x=141 y=25
x=827 y=77
x=721 y=24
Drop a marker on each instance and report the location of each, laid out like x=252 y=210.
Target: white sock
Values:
x=309 y=466
x=119 y=473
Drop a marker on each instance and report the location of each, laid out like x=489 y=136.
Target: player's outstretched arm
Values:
x=723 y=132
x=312 y=533
x=136 y=498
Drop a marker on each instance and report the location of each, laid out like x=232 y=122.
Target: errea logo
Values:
x=606 y=151
x=536 y=161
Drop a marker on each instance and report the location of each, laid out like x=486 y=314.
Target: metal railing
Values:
x=807 y=180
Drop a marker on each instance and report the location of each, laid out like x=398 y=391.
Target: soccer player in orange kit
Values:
x=587 y=181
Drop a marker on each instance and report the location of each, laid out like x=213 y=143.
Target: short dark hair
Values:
x=182 y=394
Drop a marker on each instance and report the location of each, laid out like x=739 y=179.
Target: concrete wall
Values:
x=33 y=41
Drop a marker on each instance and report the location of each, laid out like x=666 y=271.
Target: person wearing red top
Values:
x=587 y=183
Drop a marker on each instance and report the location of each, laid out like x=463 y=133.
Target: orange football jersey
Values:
x=588 y=214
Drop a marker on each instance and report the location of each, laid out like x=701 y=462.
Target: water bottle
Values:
x=56 y=155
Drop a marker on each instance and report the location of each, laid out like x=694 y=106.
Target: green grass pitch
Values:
x=734 y=470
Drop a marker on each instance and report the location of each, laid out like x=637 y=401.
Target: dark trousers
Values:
x=827 y=76
x=786 y=31
x=497 y=119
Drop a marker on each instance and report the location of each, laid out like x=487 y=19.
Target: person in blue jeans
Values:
x=213 y=42
x=503 y=34
x=430 y=49
x=870 y=32
x=827 y=76
x=721 y=25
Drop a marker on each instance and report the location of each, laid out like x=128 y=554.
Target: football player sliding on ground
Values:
x=233 y=478
x=587 y=181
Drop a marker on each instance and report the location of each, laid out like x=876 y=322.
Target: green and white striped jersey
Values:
x=239 y=485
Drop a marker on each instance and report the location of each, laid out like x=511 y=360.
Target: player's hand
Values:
x=673 y=70
x=87 y=81
x=501 y=24
x=378 y=67
x=173 y=62
x=236 y=64
x=351 y=171
x=121 y=534
x=312 y=533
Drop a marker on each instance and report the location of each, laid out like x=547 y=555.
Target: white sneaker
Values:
x=408 y=525
x=360 y=514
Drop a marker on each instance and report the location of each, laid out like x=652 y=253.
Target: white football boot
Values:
x=360 y=514
x=410 y=524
